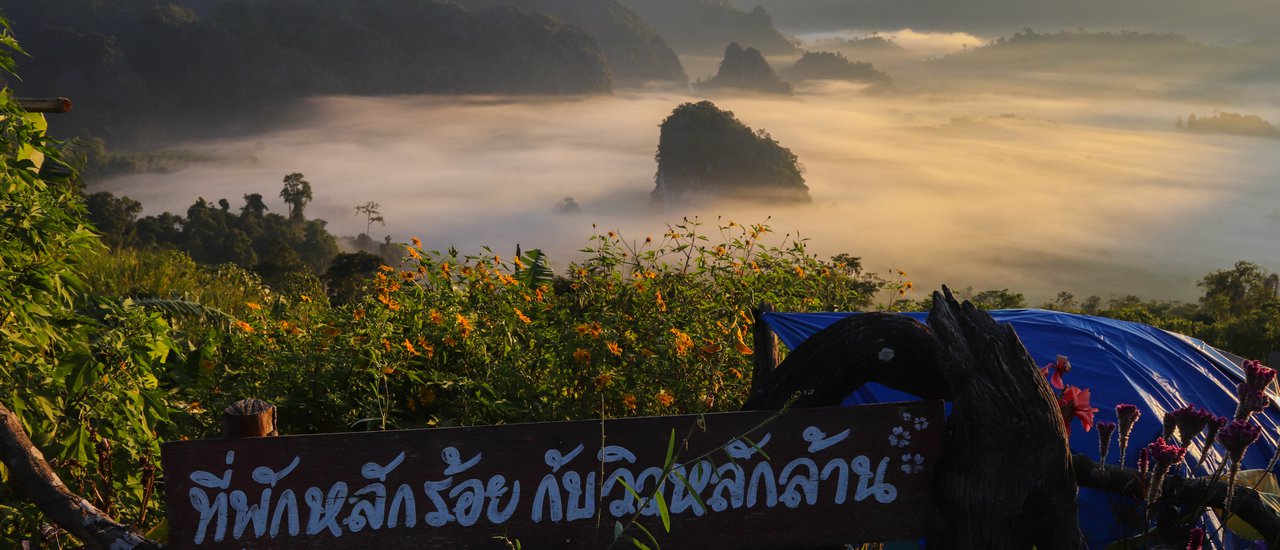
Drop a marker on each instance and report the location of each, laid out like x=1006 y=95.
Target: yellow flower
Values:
x=386 y=268
x=521 y=316
x=800 y=272
x=665 y=398
x=244 y=326
x=304 y=298
x=629 y=401
x=253 y=305
x=414 y=252
x=582 y=356
x=417 y=243
x=614 y=348
x=910 y=286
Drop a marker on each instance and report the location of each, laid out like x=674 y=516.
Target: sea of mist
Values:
x=1004 y=188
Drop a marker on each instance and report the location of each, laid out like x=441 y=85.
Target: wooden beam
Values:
x=45 y=105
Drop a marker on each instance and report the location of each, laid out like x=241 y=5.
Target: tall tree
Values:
x=296 y=193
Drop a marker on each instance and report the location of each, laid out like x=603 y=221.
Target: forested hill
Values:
x=634 y=50
x=705 y=27
x=155 y=67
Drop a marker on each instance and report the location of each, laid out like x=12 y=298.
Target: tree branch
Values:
x=33 y=476
x=1248 y=504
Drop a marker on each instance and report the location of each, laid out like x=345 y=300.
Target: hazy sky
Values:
x=1216 y=20
x=1095 y=197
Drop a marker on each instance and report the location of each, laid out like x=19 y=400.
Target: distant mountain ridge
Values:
x=634 y=50
x=705 y=27
x=154 y=67
x=745 y=69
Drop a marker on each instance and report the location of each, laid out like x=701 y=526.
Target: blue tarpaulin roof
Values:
x=1119 y=362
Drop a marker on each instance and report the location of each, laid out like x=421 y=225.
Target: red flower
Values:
x=1075 y=403
x=1060 y=366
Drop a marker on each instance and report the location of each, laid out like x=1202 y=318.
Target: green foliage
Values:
x=82 y=372
x=274 y=246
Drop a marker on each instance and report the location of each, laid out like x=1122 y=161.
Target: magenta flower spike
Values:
x=1190 y=421
x=1236 y=437
x=1195 y=539
x=1105 y=431
x=1162 y=456
x=1257 y=376
x=1252 y=400
x=1170 y=426
x=1126 y=415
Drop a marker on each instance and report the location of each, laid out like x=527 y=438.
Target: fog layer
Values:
x=995 y=191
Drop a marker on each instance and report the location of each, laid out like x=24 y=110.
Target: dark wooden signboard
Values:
x=763 y=480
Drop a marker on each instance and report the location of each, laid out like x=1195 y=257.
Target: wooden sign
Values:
x=743 y=480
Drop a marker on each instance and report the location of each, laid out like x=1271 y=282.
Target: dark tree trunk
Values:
x=1005 y=480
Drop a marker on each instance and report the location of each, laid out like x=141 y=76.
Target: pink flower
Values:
x=1059 y=367
x=1127 y=415
x=1075 y=403
x=1190 y=421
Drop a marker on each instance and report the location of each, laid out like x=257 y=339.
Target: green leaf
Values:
x=689 y=487
x=662 y=508
x=647 y=534
x=671 y=449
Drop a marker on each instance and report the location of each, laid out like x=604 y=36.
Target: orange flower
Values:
x=582 y=356
x=386 y=268
x=683 y=342
x=358 y=314
x=614 y=348
x=244 y=326
x=386 y=344
x=450 y=341
x=665 y=398
x=427 y=348
x=736 y=373
x=629 y=401
x=711 y=348
x=464 y=325
x=435 y=317
x=521 y=316
x=657 y=295
x=304 y=298
x=253 y=305
x=414 y=252
x=416 y=242
x=409 y=347
x=800 y=272
x=742 y=346
x=603 y=380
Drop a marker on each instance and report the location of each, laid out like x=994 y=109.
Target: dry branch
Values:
x=31 y=474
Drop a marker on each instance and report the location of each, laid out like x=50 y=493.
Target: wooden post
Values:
x=45 y=105
x=249 y=418
x=764 y=357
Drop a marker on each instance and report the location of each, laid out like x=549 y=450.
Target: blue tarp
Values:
x=1119 y=362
